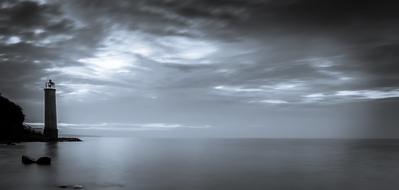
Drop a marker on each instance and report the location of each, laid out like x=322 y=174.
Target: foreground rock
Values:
x=71 y=186
x=41 y=161
x=27 y=160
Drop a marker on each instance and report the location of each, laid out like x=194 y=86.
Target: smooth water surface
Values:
x=204 y=164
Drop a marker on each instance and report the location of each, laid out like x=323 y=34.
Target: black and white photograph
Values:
x=199 y=94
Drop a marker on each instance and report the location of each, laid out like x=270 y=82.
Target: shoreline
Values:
x=41 y=139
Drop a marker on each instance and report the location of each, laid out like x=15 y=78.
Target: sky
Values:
x=206 y=68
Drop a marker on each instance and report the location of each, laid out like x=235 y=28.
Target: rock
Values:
x=27 y=160
x=71 y=186
x=41 y=161
x=44 y=161
x=69 y=139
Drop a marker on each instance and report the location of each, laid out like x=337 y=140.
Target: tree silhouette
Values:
x=11 y=120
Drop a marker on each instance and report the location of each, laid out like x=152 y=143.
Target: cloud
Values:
x=122 y=43
x=34 y=37
x=369 y=94
x=263 y=94
x=273 y=101
x=344 y=96
x=237 y=89
x=169 y=55
x=13 y=40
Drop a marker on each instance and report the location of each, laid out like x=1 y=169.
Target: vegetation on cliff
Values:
x=13 y=129
x=11 y=120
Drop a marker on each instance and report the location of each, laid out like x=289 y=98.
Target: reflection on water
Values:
x=127 y=163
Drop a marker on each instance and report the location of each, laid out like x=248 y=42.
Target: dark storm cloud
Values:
x=133 y=15
x=360 y=33
x=34 y=37
x=247 y=53
x=32 y=21
x=282 y=28
x=286 y=39
x=19 y=20
x=382 y=64
x=212 y=10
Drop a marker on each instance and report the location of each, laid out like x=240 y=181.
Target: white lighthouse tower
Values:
x=50 y=111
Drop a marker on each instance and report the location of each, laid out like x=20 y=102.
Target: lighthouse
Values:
x=50 y=111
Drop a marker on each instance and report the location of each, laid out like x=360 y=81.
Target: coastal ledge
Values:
x=14 y=130
x=69 y=139
x=61 y=139
x=41 y=139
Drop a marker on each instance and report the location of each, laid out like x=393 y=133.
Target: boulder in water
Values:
x=71 y=186
x=27 y=160
x=44 y=161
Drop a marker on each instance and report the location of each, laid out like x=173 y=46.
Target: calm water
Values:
x=204 y=164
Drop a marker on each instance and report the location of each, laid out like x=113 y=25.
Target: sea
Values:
x=204 y=164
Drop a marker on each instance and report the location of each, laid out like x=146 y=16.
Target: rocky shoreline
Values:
x=41 y=139
x=13 y=130
x=62 y=139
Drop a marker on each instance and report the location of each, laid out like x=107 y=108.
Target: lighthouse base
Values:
x=51 y=133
